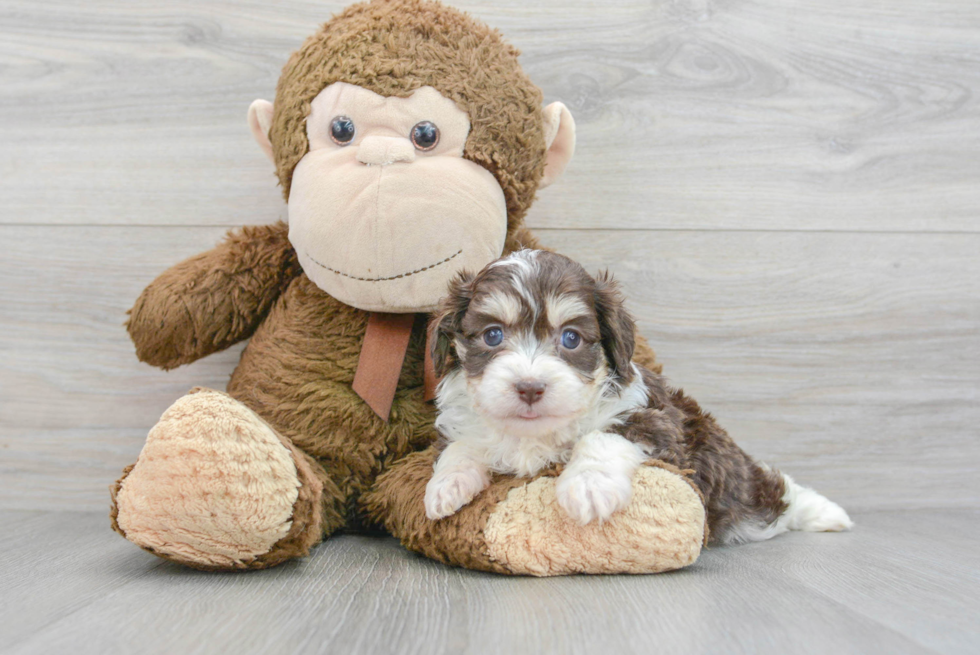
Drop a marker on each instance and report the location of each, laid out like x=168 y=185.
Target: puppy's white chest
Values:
x=527 y=456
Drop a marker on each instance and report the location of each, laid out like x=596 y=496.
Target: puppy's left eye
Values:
x=571 y=339
x=493 y=336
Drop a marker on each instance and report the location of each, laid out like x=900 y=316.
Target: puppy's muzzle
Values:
x=530 y=391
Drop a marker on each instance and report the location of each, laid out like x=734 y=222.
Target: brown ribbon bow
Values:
x=382 y=355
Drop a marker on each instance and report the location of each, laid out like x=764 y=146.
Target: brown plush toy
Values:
x=409 y=145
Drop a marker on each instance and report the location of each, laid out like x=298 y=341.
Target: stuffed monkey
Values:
x=409 y=145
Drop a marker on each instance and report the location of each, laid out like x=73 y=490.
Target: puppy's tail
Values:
x=806 y=510
x=810 y=512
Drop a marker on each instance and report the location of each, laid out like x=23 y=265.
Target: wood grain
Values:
x=848 y=360
x=691 y=114
x=788 y=192
x=56 y=564
x=799 y=593
x=896 y=549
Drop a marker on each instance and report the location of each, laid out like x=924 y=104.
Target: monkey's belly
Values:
x=297 y=371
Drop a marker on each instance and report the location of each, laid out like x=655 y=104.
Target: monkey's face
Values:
x=383 y=209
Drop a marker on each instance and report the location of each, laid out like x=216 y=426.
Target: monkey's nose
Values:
x=530 y=391
x=384 y=150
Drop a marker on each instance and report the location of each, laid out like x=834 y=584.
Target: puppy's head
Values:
x=535 y=339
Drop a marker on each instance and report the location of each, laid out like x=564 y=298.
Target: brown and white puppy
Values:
x=536 y=356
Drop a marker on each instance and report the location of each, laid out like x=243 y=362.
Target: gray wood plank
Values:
x=65 y=298
x=10 y=518
x=847 y=360
x=915 y=576
x=762 y=115
x=67 y=469
x=747 y=115
x=367 y=595
x=57 y=563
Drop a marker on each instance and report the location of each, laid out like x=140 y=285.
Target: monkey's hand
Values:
x=212 y=300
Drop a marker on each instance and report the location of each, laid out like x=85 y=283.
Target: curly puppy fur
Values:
x=538 y=355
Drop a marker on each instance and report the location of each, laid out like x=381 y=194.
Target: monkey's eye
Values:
x=342 y=130
x=425 y=135
x=571 y=339
x=493 y=336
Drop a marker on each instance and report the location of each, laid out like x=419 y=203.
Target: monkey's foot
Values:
x=517 y=526
x=217 y=488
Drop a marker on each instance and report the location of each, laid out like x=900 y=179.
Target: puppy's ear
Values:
x=447 y=322
x=616 y=326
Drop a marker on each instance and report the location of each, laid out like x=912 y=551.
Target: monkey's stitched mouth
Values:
x=383 y=279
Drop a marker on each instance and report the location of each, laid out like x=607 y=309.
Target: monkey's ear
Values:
x=616 y=327
x=447 y=322
x=259 y=121
x=559 y=141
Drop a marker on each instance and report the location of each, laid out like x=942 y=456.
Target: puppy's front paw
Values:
x=593 y=493
x=447 y=492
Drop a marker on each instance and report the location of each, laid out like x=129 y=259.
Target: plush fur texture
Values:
x=213 y=300
x=661 y=530
x=516 y=525
x=209 y=437
x=394 y=47
x=354 y=470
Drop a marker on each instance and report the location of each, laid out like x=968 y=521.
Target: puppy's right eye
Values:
x=493 y=336
x=570 y=339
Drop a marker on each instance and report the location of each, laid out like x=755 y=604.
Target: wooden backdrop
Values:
x=789 y=190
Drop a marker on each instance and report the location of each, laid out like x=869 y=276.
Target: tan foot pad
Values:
x=662 y=529
x=214 y=486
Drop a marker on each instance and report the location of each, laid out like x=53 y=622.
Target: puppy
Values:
x=536 y=356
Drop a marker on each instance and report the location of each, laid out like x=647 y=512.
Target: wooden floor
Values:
x=789 y=191
x=902 y=582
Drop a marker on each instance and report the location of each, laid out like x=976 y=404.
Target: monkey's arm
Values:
x=516 y=525
x=212 y=300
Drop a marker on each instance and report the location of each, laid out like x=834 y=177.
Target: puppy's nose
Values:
x=530 y=391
